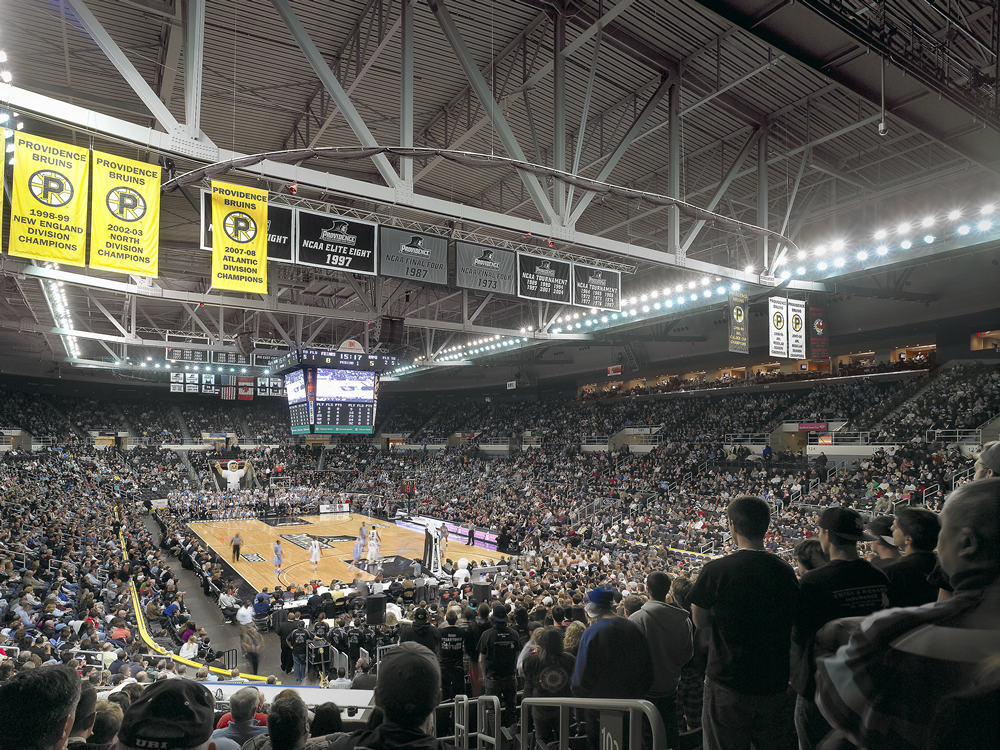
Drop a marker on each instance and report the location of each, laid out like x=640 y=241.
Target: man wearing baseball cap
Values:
x=172 y=715
x=880 y=529
x=498 y=649
x=847 y=586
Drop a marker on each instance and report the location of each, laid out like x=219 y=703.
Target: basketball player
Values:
x=277 y=558
x=443 y=535
x=374 y=544
x=314 y=553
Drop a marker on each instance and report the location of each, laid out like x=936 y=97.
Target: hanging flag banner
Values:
x=125 y=216
x=239 y=252
x=796 y=329
x=410 y=255
x=279 y=229
x=543 y=279
x=777 y=322
x=486 y=269
x=597 y=287
x=817 y=333
x=336 y=243
x=48 y=217
x=739 y=336
x=614 y=370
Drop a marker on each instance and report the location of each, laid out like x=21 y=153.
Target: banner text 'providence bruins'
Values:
x=239 y=250
x=125 y=216
x=48 y=218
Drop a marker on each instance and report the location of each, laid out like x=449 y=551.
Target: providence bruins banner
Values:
x=3 y=164
x=239 y=252
x=125 y=216
x=48 y=217
x=739 y=337
x=777 y=324
x=796 y=329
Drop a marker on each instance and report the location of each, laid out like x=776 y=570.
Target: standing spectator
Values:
x=613 y=658
x=253 y=644
x=883 y=688
x=883 y=546
x=452 y=646
x=747 y=600
x=408 y=690
x=284 y=629
x=548 y=673
x=38 y=708
x=847 y=586
x=988 y=463
x=420 y=631
x=915 y=532
x=498 y=649
x=297 y=641
x=668 y=633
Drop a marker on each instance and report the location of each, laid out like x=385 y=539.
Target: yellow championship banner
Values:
x=125 y=215
x=3 y=165
x=239 y=251
x=48 y=216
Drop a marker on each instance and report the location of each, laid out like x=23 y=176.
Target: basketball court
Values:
x=336 y=534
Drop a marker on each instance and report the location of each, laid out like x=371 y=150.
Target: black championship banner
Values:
x=817 y=333
x=739 y=335
x=488 y=269
x=543 y=279
x=279 y=229
x=600 y=288
x=411 y=255
x=328 y=241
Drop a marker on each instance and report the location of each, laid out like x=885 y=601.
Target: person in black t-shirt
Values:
x=498 y=649
x=847 y=586
x=548 y=674
x=420 y=631
x=884 y=548
x=747 y=602
x=452 y=649
x=915 y=532
x=355 y=637
x=297 y=641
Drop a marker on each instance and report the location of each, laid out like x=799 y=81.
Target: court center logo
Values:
x=779 y=321
x=239 y=226
x=125 y=204
x=51 y=188
x=738 y=313
x=796 y=322
x=252 y=557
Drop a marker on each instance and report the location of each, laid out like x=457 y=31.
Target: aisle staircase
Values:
x=186 y=460
x=179 y=416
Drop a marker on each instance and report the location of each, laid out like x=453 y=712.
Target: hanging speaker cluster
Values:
x=390 y=331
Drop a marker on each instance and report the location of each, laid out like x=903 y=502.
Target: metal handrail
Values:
x=635 y=708
x=965 y=437
x=961 y=476
x=840 y=438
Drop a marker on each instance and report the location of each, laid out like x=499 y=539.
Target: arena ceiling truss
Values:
x=672 y=140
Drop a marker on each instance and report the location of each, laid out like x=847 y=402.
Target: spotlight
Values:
x=862 y=255
x=749 y=269
x=927 y=221
x=882 y=249
x=928 y=238
x=801 y=254
x=987 y=209
x=881 y=234
x=800 y=271
x=903 y=228
x=954 y=215
x=906 y=244
x=964 y=229
x=984 y=225
x=821 y=265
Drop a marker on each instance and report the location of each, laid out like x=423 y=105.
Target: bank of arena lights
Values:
x=55 y=297
x=10 y=121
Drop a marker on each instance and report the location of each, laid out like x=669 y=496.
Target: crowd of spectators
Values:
x=154 y=422
x=962 y=397
x=690 y=539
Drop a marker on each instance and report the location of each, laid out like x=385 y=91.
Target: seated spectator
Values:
x=107 y=720
x=326 y=720
x=883 y=546
x=342 y=682
x=38 y=708
x=882 y=689
x=86 y=713
x=243 y=727
x=287 y=724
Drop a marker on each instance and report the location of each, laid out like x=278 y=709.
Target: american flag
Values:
x=228 y=392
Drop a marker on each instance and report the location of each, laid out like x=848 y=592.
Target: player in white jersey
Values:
x=314 y=553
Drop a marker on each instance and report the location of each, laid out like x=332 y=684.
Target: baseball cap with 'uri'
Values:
x=169 y=715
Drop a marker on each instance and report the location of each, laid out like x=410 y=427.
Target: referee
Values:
x=237 y=541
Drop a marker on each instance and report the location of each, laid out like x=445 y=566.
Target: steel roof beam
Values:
x=336 y=91
x=485 y=95
x=194 y=56
x=124 y=66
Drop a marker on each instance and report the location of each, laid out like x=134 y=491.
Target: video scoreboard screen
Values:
x=326 y=400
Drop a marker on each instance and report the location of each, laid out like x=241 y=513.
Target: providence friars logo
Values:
x=338 y=233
